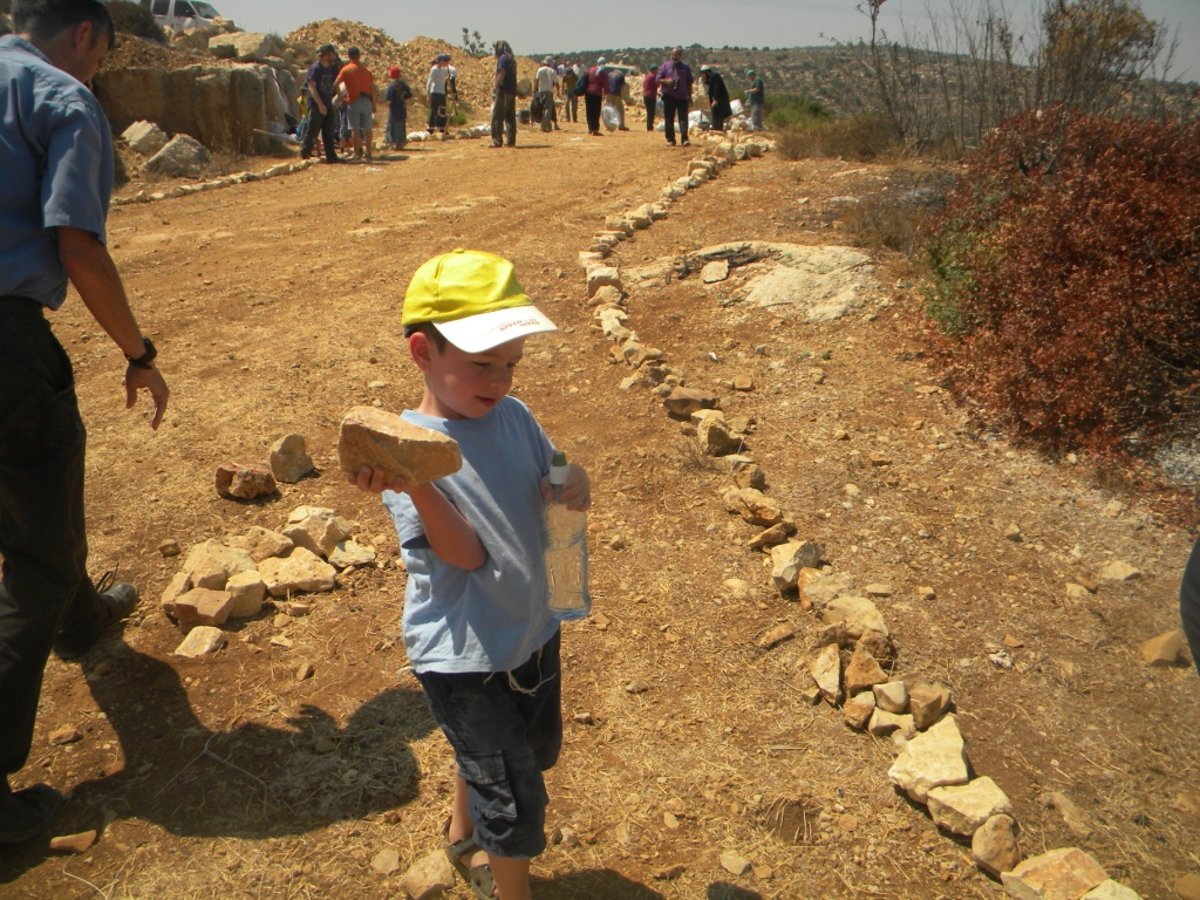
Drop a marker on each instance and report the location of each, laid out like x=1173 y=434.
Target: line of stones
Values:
x=932 y=766
x=182 y=190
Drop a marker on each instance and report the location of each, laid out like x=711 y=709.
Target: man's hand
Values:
x=137 y=378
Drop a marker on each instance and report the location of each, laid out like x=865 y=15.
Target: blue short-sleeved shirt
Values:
x=57 y=163
x=493 y=618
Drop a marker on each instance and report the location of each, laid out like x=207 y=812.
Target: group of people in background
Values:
x=338 y=100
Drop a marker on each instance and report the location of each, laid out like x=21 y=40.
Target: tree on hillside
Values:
x=1092 y=50
x=473 y=43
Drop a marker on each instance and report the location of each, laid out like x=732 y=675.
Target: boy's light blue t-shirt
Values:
x=491 y=619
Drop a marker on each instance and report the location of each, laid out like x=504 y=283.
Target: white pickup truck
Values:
x=179 y=15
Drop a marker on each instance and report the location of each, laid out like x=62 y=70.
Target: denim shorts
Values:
x=506 y=729
x=362 y=116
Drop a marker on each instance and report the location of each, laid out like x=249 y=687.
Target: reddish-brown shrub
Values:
x=1066 y=274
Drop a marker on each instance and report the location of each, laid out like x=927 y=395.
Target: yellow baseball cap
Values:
x=472 y=297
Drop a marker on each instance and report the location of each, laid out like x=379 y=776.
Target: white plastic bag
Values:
x=611 y=120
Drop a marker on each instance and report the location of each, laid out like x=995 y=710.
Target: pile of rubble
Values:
x=414 y=57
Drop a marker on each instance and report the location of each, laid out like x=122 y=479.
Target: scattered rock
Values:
x=181 y=157
x=826 y=671
x=179 y=585
x=1162 y=650
x=775 y=636
x=261 y=543
x=202 y=606
x=428 y=877
x=386 y=861
x=145 y=138
x=734 y=863
x=1077 y=823
x=856 y=712
x=931 y=759
x=883 y=723
x=246 y=591
x=863 y=672
x=1118 y=570
x=211 y=563
x=289 y=459
x=716 y=437
x=892 y=696
x=682 y=402
x=74 y=843
x=316 y=529
x=602 y=276
x=1111 y=890
x=68 y=734
x=169 y=548
x=753 y=506
x=376 y=439
x=349 y=553
x=962 y=809
x=717 y=270
x=299 y=571
x=788 y=559
x=201 y=640
x=878 y=590
x=1065 y=872
x=1188 y=887
x=244 y=482
x=820 y=589
x=994 y=845
x=859 y=614
x=927 y=702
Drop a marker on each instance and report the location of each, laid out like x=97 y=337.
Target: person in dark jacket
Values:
x=675 y=84
x=718 y=97
x=596 y=86
x=504 y=107
x=1189 y=604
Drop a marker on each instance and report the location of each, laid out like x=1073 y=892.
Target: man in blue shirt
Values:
x=56 y=155
x=322 y=117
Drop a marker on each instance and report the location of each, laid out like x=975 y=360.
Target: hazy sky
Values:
x=542 y=26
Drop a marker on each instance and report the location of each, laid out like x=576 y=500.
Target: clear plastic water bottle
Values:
x=566 y=550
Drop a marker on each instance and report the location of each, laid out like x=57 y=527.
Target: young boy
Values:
x=398 y=96
x=477 y=626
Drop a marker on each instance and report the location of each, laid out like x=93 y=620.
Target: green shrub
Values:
x=1067 y=267
x=863 y=136
x=782 y=111
x=135 y=19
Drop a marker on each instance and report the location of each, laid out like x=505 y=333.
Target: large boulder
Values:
x=245 y=46
x=223 y=108
x=182 y=157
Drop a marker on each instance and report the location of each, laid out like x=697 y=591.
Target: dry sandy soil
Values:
x=276 y=307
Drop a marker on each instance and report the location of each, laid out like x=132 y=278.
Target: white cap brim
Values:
x=481 y=332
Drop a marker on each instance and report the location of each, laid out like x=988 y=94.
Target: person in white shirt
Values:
x=544 y=81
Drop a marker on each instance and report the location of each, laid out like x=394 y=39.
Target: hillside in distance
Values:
x=842 y=77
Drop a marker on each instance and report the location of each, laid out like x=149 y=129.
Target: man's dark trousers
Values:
x=324 y=123
x=42 y=530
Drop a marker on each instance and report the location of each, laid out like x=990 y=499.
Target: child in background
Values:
x=398 y=96
x=477 y=626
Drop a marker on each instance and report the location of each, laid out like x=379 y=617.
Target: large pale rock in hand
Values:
x=1065 y=872
x=932 y=759
x=382 y=440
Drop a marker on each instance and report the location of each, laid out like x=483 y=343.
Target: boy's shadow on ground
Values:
x=244 y=780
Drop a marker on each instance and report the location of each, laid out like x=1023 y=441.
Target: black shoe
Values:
x=116 y=603
x=26 y=814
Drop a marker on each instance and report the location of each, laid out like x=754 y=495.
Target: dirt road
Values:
x=275 y=306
